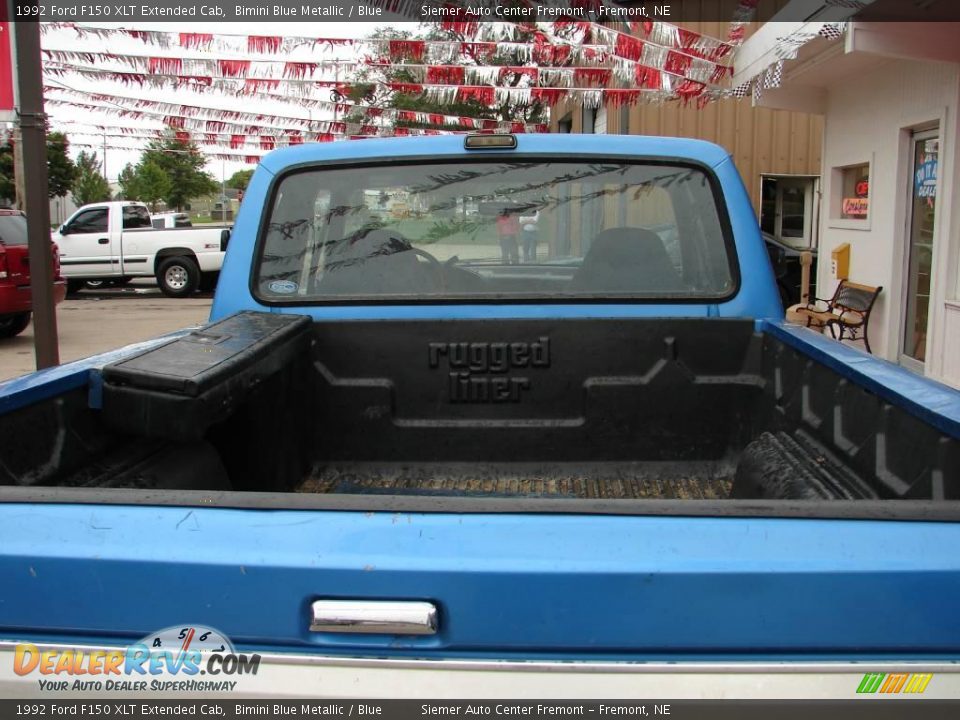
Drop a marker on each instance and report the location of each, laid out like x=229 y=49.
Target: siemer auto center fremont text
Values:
x=537 y=709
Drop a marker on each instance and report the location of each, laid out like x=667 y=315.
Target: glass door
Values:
x=920 y=237
x=786 y=210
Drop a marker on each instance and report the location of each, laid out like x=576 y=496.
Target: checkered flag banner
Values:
x=787 y=48
x=833 y=31
x=773 y=76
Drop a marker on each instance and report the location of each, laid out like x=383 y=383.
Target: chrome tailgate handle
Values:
x=384 y=617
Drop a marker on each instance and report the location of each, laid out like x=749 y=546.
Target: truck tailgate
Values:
x=505 y=586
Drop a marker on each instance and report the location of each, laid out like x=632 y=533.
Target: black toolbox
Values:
x=178 y=390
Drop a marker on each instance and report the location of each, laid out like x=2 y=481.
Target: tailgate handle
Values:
x=382 y=617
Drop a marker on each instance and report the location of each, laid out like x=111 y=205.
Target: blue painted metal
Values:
x=758 y=297
x=573 y=586
x=932 y=402
x=43 y=384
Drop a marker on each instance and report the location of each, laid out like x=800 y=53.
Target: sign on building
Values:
x=7 y=95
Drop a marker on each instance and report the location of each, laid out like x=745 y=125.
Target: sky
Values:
x=67 y=118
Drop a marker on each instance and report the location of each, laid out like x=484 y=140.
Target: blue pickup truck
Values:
x=491 y=416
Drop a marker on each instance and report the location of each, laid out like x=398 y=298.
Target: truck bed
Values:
x=596 y=480
x=628 y=410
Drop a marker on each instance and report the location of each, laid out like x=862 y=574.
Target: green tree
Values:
x=61 y=171
x=127 y=180
x=182 y=163
x=8 y=190
x=60 y=168
x=153 y=182
x=240 y=179
x=146 y=182
x=89 y=186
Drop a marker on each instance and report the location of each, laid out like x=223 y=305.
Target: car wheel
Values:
x=12 y=325
x=178 y=277
x=74 y=286
x=96 y=284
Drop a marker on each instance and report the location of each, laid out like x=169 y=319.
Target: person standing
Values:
x=508 y=229
x=530 y=238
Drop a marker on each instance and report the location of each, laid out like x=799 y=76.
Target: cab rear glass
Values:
x=496 y=229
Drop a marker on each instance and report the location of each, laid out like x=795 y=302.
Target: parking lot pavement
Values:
x=92 y=323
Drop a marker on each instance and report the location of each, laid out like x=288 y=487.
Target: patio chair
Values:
x=846 y=314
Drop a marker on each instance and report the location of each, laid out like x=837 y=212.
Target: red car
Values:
x=15 y=300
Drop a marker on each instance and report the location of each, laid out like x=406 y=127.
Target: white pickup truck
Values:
x=115 y=242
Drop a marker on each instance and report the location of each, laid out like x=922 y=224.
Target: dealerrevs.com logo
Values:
x=177 y=659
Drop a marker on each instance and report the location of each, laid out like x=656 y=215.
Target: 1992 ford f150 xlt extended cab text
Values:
x=111 y=242
x=401 y=462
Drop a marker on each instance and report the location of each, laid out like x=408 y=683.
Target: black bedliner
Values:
x=428 y=413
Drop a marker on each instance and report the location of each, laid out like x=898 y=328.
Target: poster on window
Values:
x=925 y=178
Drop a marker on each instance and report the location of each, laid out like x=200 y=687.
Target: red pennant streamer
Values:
x=187 y=40
x=550 y=96
x=267 y=142
x=408 y=88
x=592 y=76
x=619 y=98
x=299 y=70
x=237 y=141
x=445 y=74
x=255 y=85
x=165 y=65
x=648 y=78
x=233 y=68
x=264 y=43
x=407 y=49
x=483 y=95
x=546 y=54
x=720 y=72
x=689 y=89
x=677 y=63
x=629 y=47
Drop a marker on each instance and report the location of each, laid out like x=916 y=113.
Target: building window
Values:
x=624 y=119
x=588 y=118
x=851 y=192
x=565 y=124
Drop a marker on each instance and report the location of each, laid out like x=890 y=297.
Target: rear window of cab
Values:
x=504 y=229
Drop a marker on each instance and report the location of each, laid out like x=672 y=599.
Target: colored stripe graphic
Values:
x=894 y=683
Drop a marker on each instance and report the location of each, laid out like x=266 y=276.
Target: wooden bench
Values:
x=846 y=314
